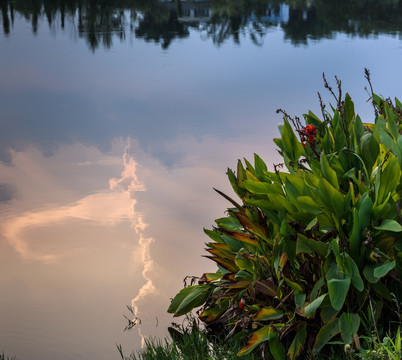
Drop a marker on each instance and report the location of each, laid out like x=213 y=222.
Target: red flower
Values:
x=311 y=138
x=310 y=130
x=242 y=303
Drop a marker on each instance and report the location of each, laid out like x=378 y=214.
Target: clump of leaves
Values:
x=308 y=254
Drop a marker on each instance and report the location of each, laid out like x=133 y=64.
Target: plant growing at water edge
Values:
x=312 y=255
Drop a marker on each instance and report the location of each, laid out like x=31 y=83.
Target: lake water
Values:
x=117 y=120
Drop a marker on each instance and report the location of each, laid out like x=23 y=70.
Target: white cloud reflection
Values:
x=80 y=203
x=107 y=207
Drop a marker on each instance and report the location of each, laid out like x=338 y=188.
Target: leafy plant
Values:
x=390 y=348
x=308 y=254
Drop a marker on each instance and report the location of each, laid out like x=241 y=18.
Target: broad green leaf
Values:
x=328 y=314
x=208 y=277
x=234 y=245
x=228 y=265
x=382 y=209
x=242 y=275
x=268 y=313
x=365 y=205
x=355 y=236
x=261 y=335
x=300 y=299
x=349 y=108
x=338 y=289
x=389 y=178
x=292 y=147
x=313 y=119
x=260 y=166
x=291 y=191
x=332 y=198
x=327 y=142
x=259 y=187
x=386 y=139
x=340 y=137
x=334 y=272
x=244 y=263
x=384 y=269
x=212 y=313
x=369 y=273
x=296 y=180
x=311 y=224
x=357 y=280
x=389 y=225
x=328 y=172
x=297 y=345
x=240 y=284
x=276 y=348
x=188 y=298
x=382 y=290
x=308 y=204
x=317 y=287
x=241 y=174
x=241 y=192
x=241 y=236
x=348 y=325
x=306 y=245
x=213 y=235
x=279 y=199
x=326 y=333
x=294 y=285
x=250 y=171
x=369 y=150
x=310 y=309
x=251 y=225
x=361 y=219
x=312 y=180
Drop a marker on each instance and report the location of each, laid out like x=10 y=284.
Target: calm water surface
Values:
x=117 y=121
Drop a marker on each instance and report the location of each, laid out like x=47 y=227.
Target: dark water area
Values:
x=117 y=118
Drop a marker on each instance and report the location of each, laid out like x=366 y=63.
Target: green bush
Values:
x=311 y=256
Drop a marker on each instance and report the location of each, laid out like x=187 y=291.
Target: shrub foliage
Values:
x=310 y=254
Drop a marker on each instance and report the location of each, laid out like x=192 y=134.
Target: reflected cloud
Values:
x=82 y=198
x=128 y=181
x=107 y=207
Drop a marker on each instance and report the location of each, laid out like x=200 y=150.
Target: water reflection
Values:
x=83 y=226
x=68 y=267
x=219 y=20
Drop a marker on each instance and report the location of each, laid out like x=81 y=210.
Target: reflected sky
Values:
x=108 y=160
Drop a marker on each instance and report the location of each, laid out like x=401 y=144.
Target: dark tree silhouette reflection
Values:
x=161 y=25
x=99 y=22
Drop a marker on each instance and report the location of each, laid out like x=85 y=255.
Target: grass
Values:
x=197 y=345
x=3 y=357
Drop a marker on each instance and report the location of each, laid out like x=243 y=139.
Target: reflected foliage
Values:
x=161 y=25
x=100 y=21
x=360 y=18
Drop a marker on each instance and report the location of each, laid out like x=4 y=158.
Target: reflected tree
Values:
x=100 y=21
x=6 y=9
x=162 y=25
x=322 y=19
x=241 y=18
